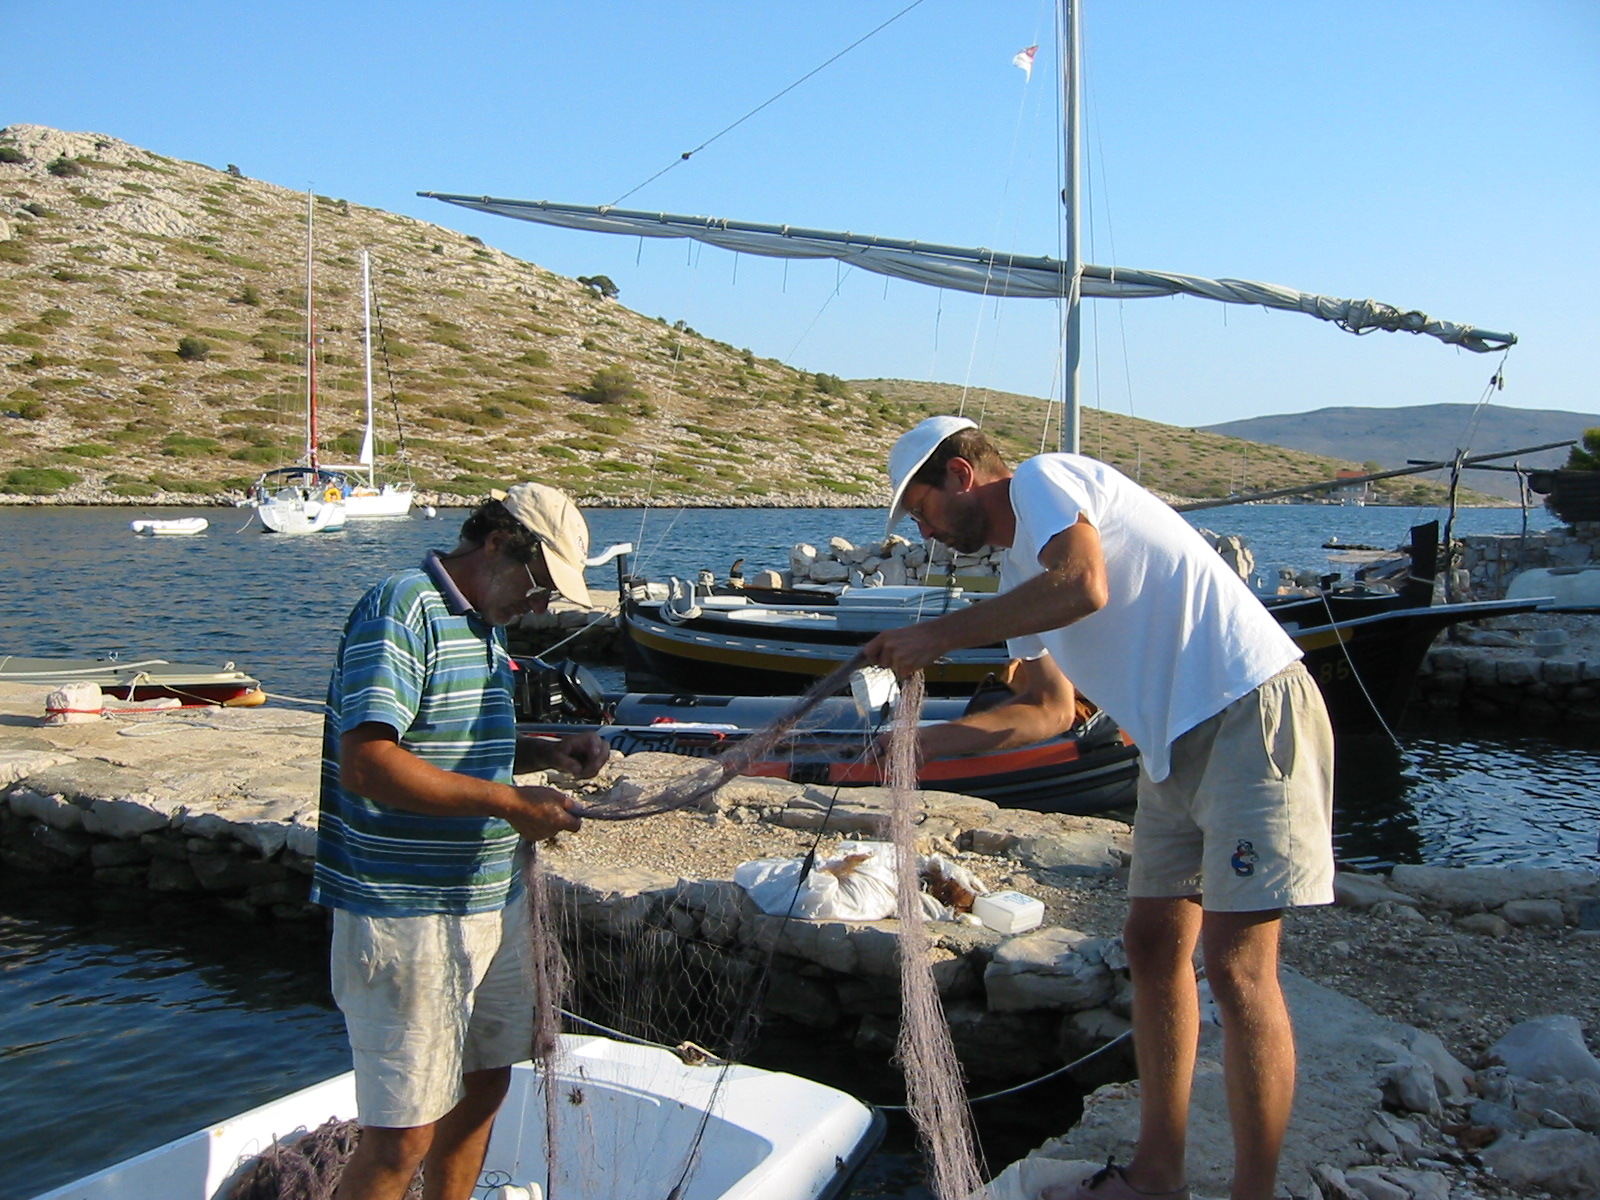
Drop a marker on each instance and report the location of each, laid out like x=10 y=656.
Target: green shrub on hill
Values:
x=39 y=481
x=193 y=349
x=186 y=445
x=611 y=385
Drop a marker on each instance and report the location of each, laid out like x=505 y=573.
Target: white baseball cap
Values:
x=916 y=447
x=550 y=515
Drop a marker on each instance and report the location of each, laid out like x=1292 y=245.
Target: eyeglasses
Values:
x=538 y=591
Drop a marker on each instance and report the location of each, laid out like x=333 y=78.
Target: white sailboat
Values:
x=368 y=498
x=306 y=497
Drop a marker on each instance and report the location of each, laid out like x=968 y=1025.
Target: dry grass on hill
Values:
x=152 y=318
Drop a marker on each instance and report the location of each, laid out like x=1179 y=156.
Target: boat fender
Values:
x=74 y=704
x=675 y=616
x=513 y=1191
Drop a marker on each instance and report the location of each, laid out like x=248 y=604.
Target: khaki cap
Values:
x=551 y=516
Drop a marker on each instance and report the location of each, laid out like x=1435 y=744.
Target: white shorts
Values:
x=1245 y=818
x=426 y=1000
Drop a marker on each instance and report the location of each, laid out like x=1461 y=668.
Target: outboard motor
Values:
x=561 y=692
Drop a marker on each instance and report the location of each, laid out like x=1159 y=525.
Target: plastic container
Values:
x=1009 y=912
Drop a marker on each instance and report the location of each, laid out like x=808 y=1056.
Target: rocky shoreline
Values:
x=1404 y=992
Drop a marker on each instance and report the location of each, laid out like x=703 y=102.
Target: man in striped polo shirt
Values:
x=419 y=835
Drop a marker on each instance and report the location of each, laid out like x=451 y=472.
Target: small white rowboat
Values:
x=632 y=1122
x=173 y=527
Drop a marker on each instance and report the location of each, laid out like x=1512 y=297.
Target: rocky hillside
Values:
x=152 y=347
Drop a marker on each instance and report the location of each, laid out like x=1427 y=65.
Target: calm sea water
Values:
x=122 y=1028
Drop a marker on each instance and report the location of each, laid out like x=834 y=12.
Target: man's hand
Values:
x=544 y=812
x=909 y=649
x=580 y=755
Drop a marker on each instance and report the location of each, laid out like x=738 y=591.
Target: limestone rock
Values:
x=53 y=810
x=1355 y=890
x=1415 y=1185
x=1097 y=852
x=20 y=758
x=1547 y=913
x=1563 y=1161
x=1546 y=1049
x=1051 y=968
x=1484 y=924
x=1371 y=1185
x=1475 y=889
x=1578 y=1102
x=128 y=816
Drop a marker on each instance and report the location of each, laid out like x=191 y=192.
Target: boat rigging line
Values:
x=687 y=154
x=1328 y=485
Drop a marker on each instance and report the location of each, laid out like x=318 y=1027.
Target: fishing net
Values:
x=653 y=972
x=935 y=1091
x=639 y=965
x=307 y=1168
x=694 y=789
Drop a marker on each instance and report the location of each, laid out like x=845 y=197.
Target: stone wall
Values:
x=1491 y=559
x=890 y=563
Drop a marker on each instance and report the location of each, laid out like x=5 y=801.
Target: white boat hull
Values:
x=392 y=500
x=296 y=514
x=629 y=1122
x=176 y=527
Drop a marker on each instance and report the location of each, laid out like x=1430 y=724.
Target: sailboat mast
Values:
x=311 y=346
x=1067 y=434
x=367 y=454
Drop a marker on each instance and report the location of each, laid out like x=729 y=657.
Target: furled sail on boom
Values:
x=986 y=272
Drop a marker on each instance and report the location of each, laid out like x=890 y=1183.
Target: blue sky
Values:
x=1442 y=156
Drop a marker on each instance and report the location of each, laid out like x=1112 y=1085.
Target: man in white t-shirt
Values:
x=1107 y=584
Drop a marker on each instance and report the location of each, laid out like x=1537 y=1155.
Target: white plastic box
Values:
x=1009 y=912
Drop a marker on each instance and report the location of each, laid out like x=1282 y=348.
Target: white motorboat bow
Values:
x=634 y=1123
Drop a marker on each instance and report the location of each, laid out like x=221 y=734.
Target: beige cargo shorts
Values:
x=426 y=1000
x=1245 y=818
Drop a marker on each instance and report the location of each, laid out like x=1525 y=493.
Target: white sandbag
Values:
x=73 y=704
x=857 y=884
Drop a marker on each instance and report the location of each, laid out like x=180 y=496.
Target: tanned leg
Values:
x=461 y=1137
x=384 y=1162
x=1241 y=957
x=1160 y=938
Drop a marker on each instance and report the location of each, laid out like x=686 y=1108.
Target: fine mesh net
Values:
x=307 y=1168
x=935 y=1091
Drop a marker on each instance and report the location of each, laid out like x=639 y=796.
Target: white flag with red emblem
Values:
x=1024 y=59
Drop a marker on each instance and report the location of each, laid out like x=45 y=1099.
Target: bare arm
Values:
x=1044 y=705
x=372 y=763
x=1072 y=587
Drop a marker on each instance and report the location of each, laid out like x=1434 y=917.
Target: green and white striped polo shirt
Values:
x=416 y=657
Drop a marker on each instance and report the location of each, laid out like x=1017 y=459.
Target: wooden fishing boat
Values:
x=1363 y=645
x=1090 y=768
x=139 y=679
x=634 y=1123
x=171 y=527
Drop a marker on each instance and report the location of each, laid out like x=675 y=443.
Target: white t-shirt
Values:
x=1180 y=637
